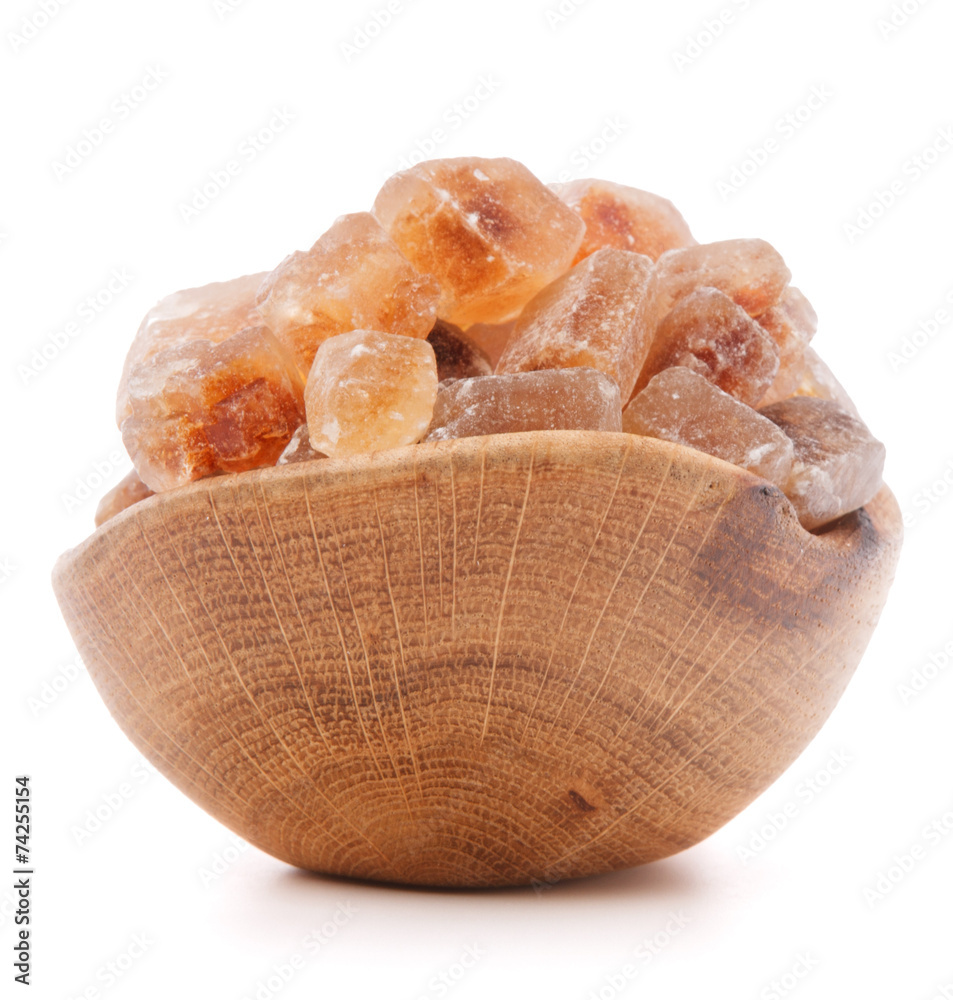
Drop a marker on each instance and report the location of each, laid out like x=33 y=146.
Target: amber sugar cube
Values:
x=625 y=218
x=368 y=391
x=791 y=323
x=750 y=272
x=556 y=399
x=475 y=300
x=212 y=312
x=591 y=317
x=457 y=355
x=203 y=408
x=838 y=463
x=490 y=232
x=806 y=374
x=299 y=448
x=130 y=490
x=680 y=406
x=354 y=277
x=492 y=338
x=708 y=333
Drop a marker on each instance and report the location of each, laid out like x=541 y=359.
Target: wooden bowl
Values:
x=482 y=662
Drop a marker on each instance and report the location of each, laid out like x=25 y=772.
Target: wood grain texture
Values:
x=480 y=662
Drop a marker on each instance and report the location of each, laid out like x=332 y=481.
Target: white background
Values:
x=556 y=86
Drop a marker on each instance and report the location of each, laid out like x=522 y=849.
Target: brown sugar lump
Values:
x=457 y=355
x=492 y=338
x=680 y=406
x=299 y=449
x=368 y=391
x=555 y=399
x=212 y=312
x=750 y=272
x=625 y=218
x=591 y=317
x=203 y=408
x=354 y=277
x=838 y=464
x=130 y=490
x=791 y=323
x=806 y=374
x=708 y=333
x=490 y=232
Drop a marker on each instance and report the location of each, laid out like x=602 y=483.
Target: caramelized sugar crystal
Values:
x=368 y=391
x=555 y=399
x=806 y=374
x=354 y=277
x=708 y=333
x=488 y=230
x=580 y=297
x=750 y=272
x=299 y=448
x=791 y=323
x=838 y=464
x=212 y=312
x=130 y=490
x=625 y=218
x=201 y=408
x=457 y=355
x=680 y=406
x=592 y=317
x=492 y=338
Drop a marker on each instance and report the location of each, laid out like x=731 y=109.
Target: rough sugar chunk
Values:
x=791 y=322
x=202 y=408
x=592 y=317
x=213 y=312
x=129 y=491
x=838 y=464
x=557 y=399
x=717 y=339
x=368 y=391
x=680 y=406
x=751 y=272
x=492 y=338
x=491 y=233
x=354 y=277
x=807 y=375
x=625 y=218
x=299 y=448
x=457 y=355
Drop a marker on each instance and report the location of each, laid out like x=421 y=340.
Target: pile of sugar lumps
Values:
x=473 y=299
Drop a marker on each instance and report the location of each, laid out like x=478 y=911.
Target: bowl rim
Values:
x=882 y=509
